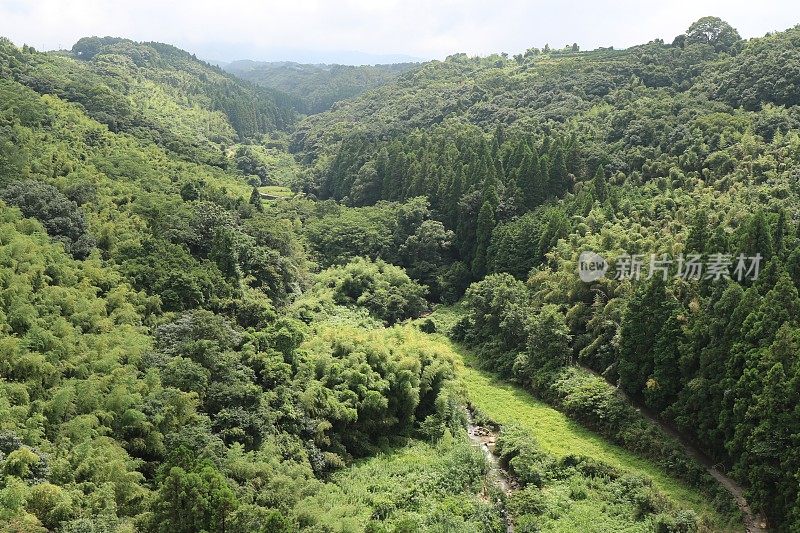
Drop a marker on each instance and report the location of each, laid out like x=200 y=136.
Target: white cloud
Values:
x=414 y=27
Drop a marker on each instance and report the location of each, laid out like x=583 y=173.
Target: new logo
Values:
x=591 y=266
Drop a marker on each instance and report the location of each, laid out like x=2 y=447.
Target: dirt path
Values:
x=753 y=523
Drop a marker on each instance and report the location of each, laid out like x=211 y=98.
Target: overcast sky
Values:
x=318 y=30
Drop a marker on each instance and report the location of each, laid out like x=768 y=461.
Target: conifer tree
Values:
x=514 y=162
x=758 y=237
x=558 y=182
x=454 y=196
x=663 y=385
x=599 y=186
x=381 y=171
x=255 y=200
x=557 y=227
x=530 y=181
x=698 y=238
x=779 y=234
x=780 y=305
x=486 y=223
x=647 y=313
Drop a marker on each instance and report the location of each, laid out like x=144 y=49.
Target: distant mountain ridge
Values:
x=230 y=52
x=317 y=86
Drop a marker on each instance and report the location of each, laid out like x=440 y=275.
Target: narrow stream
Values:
x=484 y=438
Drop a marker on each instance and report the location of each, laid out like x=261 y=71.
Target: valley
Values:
x=279 y=297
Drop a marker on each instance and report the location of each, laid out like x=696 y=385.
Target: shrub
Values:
x=60 y=216
x=384 y=289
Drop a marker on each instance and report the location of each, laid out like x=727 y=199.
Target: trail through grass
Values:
x=558 y=435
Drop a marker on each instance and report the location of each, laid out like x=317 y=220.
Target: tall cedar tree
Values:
x=483 y=236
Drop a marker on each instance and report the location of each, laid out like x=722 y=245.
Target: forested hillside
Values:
x=155 y=90
x=152 y=374
x=688 y=147
x=317 y=87
x=200 y=331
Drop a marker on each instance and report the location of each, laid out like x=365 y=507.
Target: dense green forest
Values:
x=317 y=87
x=188 y=345
x=686 y=147
x=154 y=91
x=168 y=361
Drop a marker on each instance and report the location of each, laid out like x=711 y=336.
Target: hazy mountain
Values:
x=317 y=86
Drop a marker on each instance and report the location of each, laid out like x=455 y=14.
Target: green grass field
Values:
x=276 y=190
x=416 y=487
x=558 y=435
